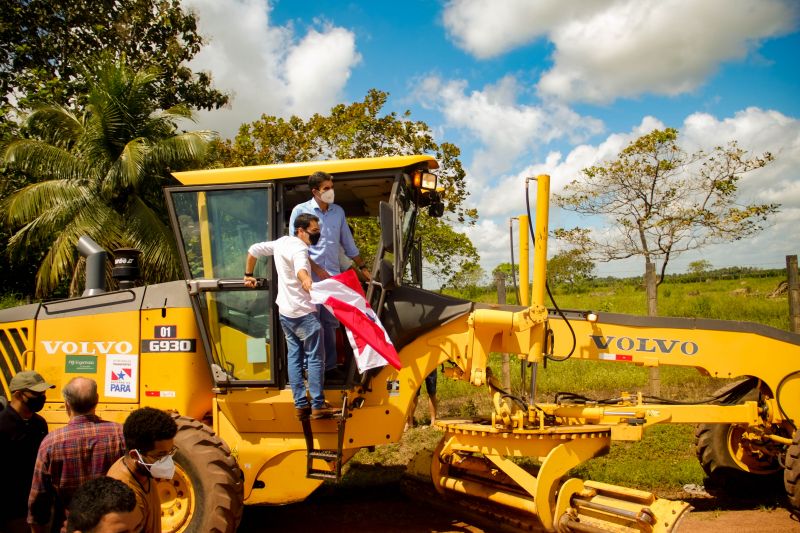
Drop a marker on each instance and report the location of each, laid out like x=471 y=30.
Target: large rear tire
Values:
x=206 y=493
x=791 y=474
x=733 y=467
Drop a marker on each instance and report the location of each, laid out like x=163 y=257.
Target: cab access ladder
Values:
x=332 y=457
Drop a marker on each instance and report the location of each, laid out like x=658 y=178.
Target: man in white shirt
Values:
x=299 y=318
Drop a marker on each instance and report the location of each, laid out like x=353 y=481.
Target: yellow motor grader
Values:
x=211 y=351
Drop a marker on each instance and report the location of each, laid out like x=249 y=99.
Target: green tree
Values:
x=99 y=173
x=660 y=201
x=468 y=279
x=701 y=266
x=360 y=130
x=48 y=50
x=505 y=269
x=571 y=267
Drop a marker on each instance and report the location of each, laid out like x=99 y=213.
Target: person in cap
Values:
x=70 y=456
x=21 y=432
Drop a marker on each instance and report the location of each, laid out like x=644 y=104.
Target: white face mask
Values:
x=164 y=468
x=327 y=196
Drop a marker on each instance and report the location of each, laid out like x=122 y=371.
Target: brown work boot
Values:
x=303 y=412
x=324 y=412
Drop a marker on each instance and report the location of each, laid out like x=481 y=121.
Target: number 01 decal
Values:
x=168 y=345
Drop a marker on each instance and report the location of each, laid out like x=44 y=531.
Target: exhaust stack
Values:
x=95 y=266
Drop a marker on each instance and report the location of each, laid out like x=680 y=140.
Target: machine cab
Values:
x=219 y=213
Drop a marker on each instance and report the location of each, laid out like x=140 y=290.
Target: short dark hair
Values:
x=80 y=399
x=303 y=221
x=145 y=426
x=97 y=498
x=316 y=179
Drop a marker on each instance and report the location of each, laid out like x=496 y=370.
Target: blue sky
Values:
x=526 y=87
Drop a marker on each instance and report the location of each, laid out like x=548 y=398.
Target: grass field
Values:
x=664 y=461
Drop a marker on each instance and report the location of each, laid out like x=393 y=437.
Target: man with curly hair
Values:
x=102 y=505
x=150 y=445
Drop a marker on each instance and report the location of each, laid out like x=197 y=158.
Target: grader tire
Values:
x=730 y=469
x=791 y=474
x=206 y=494
x=727 y=475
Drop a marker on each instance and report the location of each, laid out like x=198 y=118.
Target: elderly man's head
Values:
x=80 y=395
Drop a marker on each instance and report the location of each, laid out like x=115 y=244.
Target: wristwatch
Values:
x=248 y=274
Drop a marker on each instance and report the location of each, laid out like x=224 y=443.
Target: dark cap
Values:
x=29 y=380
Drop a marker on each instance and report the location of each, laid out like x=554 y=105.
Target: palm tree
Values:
x=100 y=173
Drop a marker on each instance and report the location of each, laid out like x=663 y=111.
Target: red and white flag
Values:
x=343 y=296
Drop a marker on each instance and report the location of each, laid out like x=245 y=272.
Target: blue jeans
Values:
x=304 y=344
x=329 y=327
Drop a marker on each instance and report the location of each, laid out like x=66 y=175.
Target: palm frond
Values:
x=180 y=150
x=41 y=198
x=147 y=233
x=41 y=160
x=103 y=225
x=128 y=169
x=56 y=125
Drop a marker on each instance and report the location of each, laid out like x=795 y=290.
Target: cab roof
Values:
x=226 y=176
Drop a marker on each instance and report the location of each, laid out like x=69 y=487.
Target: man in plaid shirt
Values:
x=84 y=449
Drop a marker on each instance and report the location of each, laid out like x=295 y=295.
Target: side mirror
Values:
x=436 y=206
x=386 y=217
x=436 y=210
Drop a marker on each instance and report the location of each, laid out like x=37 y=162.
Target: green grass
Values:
x=664 y=460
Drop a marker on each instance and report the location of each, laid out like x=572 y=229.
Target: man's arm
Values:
x=40 y=499
x=305 y=279
x=351 y=250
x=253 y=253
x=249 y=265
x=320 y=272
x=300 y=265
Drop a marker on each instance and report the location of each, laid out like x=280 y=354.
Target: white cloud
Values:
x=268 y=69
x=486 y=28
x=755 y=130
x=504 y=128
x=609 y=49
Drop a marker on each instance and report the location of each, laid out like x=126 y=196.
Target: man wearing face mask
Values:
x=21 y=432
x=68 y=457
x=299 y=318
x=150 y=442
x=335 y=235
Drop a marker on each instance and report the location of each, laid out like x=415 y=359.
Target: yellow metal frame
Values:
x=301 y=169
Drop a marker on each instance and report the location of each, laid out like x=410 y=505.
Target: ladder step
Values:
x=328 y=455
x=321 y=474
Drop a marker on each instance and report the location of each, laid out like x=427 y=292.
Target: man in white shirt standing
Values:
x=299 y=318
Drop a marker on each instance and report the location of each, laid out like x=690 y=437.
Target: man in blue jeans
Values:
x=335 y=236
x=299 y=318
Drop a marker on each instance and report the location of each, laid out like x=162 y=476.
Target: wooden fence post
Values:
x=794 y=293
x=500 y=278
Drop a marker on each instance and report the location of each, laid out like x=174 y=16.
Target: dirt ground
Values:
x=389 y=510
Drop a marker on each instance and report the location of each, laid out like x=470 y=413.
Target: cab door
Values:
x=214 y=227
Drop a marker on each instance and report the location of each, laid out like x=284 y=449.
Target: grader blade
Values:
x=472 y=464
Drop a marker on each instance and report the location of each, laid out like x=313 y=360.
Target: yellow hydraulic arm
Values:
x=473 y=457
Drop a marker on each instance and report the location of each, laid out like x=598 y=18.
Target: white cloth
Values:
x=291 y=256
x=343 y=296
